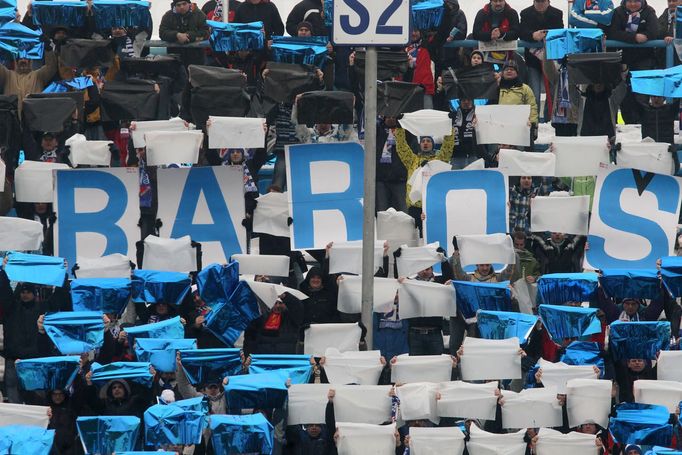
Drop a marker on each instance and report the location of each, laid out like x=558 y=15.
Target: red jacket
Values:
x=422 y=69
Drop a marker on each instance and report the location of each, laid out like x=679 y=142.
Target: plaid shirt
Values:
x=519 y=208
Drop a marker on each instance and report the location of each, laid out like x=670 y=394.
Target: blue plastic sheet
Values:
x=77 y=83
x=196 y=404
x=642 y=424
x=561 y=42
x=500 y=325
x=206 y=366
x=75 y=332
x=168 y=424
x=427 y=14
x=20 y=41
x=559 y=288
x=144 y=452
x=35 y=268
x=667 y=82
x=656 y=450
x=59 y=13
x=170 y=328
x=8 y=10
x=47 y=373
x=309 y=50
x=105 y=295
x=161 y=352
x=638 y=340
x=16 y=439
x=583 y=353
x=229 y=319
x=130 y=13
x=107 y=434
x=298 y=367
x=634 y=284
x=216 y=283
x=568 y=321
x=154 y=286
x=228 y=37
x=671 y=274
x=472 y=296
x=241 y=434
x=257 y=391
x=134 y=371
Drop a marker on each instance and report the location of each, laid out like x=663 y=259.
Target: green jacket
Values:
x=527 y=266
x=520 y=95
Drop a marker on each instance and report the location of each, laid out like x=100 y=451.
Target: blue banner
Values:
x=131 y=13
x=666 y=83
x=241 y=434
x=500 y=325
x=171 y=328
x=559 y=288
x=217 y=282
x=26 y=439
x=154 y=286
x=20 y=41
x=257 y=391
x=37 y=269
x=561 y=42
x=107 y=434
x=569 y=321
x=638 y=340
x=47 y=373
x=75 y=332
x=167 y=424
x=308 y=50
x=427 y=14
x=63 y=86
x=104 y=295
x=671 y=275
x=641 y=424
x=161 y=352
x=210 y=366
x=229 y=319
x=59 y=14
x=298 y=367
x=583 y=353
x=135 y=371
x=230 y=36
x=473 y=296
x=633 y=284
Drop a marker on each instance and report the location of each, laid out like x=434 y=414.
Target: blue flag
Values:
x=636 y=423
x=638 y=340
x=227 y=37
x=26 y=439
x=207 y=366
x=20 y=41
x=168 y=424
x=671 y=274
x=153 y=286
x=196 y=404
x=633 y=284
x=241 y=434
x=561 y=42
x=500 y=325
x=216 y=283
x=59 y=13
x=107 y=434
x=298 y=367
x=130 y=13
x=666 y=83
x=562 y=321
x=257 y=391
x=656 y=450
x=144 y=452
x=583 y=353
x=427 y=14
x=75 y=332
x=472 y=296
x=105 y=295
x=63 y=86
x=8 y=10
x=559 y=288
x=170 y=328
x=47 y=373
x=134 y=371
x=37 y=269
x=161 y=352
x=229 y=319
x=310 y=50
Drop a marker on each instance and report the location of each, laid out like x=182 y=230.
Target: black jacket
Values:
x=648 y=25
x=531 y=22
x=453 y=18
x=194 y=24
x=309 y=11
x=266 y=12
x=658 y=123
x=258 y=340
x=320 y=306
x=393 y=172
x=486 y=21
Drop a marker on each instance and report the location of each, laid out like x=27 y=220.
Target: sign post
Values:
x=370 y=24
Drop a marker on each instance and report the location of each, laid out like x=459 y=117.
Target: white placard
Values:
x=588 y=401
x=235 y=132
x=517 y=163
x=34 y=181
x=552 y=442
x=429 y=441
x=256 y=264
x=663 y=393
x=503 y=124
x=172 y=255
x=320 y=337
x=307 y=403
x=427 y=122
x=361 y=367
x=626 y=134
x=392 y=224
x=359 y=439
x=422 y=368
x=269 y=292
x=483 y=443
x=362 y=403
x=111 y=266
x=569 y=215
x=415 y=259
x=497 y=46
x=93 y=153
x=669 y=366
x=557 y=375
x=418 y=401
x=490 y=359
x=173 y=147
x=346 y=257
x=421 y=299
x=271 y=214
x=486 y=249
x=647 y=156
x=141 y=128
x=23 y=414
x=532 y=408
x=350 y=294
x=465 y=400
x=580 y=156
x=19 y=234
x=421 y=176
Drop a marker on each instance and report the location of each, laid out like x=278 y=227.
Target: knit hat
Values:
x=477 y=52
x=634 y=447
x=168 y=396
x=304 y=24
x=511 y=64
x=26 y=287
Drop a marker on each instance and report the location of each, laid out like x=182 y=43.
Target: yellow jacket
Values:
x=520 y=95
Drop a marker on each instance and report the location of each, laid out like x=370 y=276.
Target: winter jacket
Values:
x=23 y=85
x=259 y=340
x=393 y=171
x=531 y=22
x=209 y=8
x=658 y=123
x=454 y=24
x=421 y=73
x=308 y=11
x=134 y=403
x=528 y=266
x=565 y=257
x=520 y=94
x=591 y=13
x=507 y=21
x=194 y=24
x=635 y=58
x=568 y=115
x=320 y=306
x=600 y=110
x=265 y=12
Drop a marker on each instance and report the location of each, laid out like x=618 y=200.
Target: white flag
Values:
x=517 y=163
x=419 y=299
x=558 y=374
x=307 y=403
x=490 y=359
x=236 y=132
x=486 y=249
x=172 y=255
x=532 y=408
x=552 y=442
x=319 y=337
x=19 y=234
x=416 y=259
x=483 y=443
x=173 y=147
x=580 y=156
x=663 y=393
x=350 y=294
x=271 y=214
x=362 y=439
x=588 y=401
x=23 y=414
x=257 y=264
x=111 y=266
x=360 y=367
x=141 y=128
x=422 y=368
x=418 y=401
x=362 y=403
x=428 y=441
x=467 y=400
x=34 y=181
x=569 y=215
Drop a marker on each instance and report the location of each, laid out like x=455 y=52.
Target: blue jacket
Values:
x=591 y=13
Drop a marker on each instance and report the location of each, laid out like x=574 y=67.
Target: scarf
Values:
x=564 y=100
x=218 y=11
x=145 y=187
x=49 y=157
x=633 y=22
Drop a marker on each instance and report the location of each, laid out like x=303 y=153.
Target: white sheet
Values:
x=626 y=134
x=588 y=401
x=18 y=234
x=416 y=259
x=392 y=225
x=34 y=181
x=3 y=170
x=268 y=292
x=82 y=151
x=111 y=266
x=560 y=214
x=427 y=122
x=484 y=443
x=429 y=441
x=362 y=404
x=173 y=255
x=525 y=294
x=532 y=408
x=173 y=147
x=503 y=124
x=669 y=366
x=421 y=176
x=271 y=214
x=23 y=414
x=361 y=367
x=466 y=400
x=517 y=163
x=350 y=294
x=236 y=132
x=357 y=439
x=490 y=359
x=346 y=257
x=486 y=249
x=552 y=442
x=142 y=128
x=420 y=299
x=319 y=337
x=647 y=156
x=558 y=374
x=422 y=368
x=256 y=264
x=307 y=403
x=580 y=156
x=663 y=393
x=418 y=401
x=477 y=165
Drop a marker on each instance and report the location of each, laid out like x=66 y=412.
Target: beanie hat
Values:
x=304 y=24
x=511 y=64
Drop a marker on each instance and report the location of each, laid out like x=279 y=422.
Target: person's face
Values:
x=316 y=282
x=526 y=182
x=498 y=5
x=672 y=5
x=40 y=208
x=254 y=2
x=519 y=244
x=509 y=73
x=60 y=35
x=426 y=274
x=633 y=5
x=466 y=104
x=168 y=377
x=118 y=391
x=657 y=101
x=636 y=365
x=426 y=145
x=118 y=32
x=213 y=390
x=541 y=5
x=588 y=428
x=557 y=237
x=314 y=430
x=390 y=122
x=182 y=7
x=23 y=66
x=236 y=156
x=324 y=128
x=476 y=59
x=48 y=143
x=58 y=397
x=630 y=307
x=26 y=296
x=483 y=269
x=162 y=309
x=304 y=32
x=416 y=35
x=279 y=307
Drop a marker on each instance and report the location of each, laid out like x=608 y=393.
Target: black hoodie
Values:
x=320 y=307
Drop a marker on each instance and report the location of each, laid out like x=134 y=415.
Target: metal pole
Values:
x=226 y=10
x=370 y=192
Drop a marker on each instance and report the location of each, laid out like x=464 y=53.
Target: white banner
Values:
x=173 y=147
x=421 y=299
x=483 y=443
x=580 y=156
x=270 y=215
x=319 y=337
x=588 y=401
x=465 y=400
x=503 y=124
x=416 y=259
x=647 y=156
x=427 y=122
x=628 y=134
x=362 y=403
x=516 y=163
x=526 y=294
x=552 y=442
x=422 y=368
x=569 y=215
x=23 y=414
x=418 y=401
x=486 y=249
x=236 y=132
x=34 y=181
x=269 y=292
x=307 y=403
x=18 y=234
x=346 y=257
x=350 y=294
x=256 y=264
x=421 y=176
x=93 y=153
x=429 y=441
x=111 y=266
x=669 y=366
x=361 y=367
x=359 y=439
x=490 y=359
x=663 y=393
x=393 y=225
x=558 y=374
x=141 y=128
x=172 y=255
x=532 y=408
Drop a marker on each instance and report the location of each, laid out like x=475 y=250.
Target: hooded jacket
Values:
x=132 y=404
x=635 y=58
x=320 y=307
x=591 y=13
x=454 y=24
x=486 y=20
x=309 y=11
x=259 y=340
